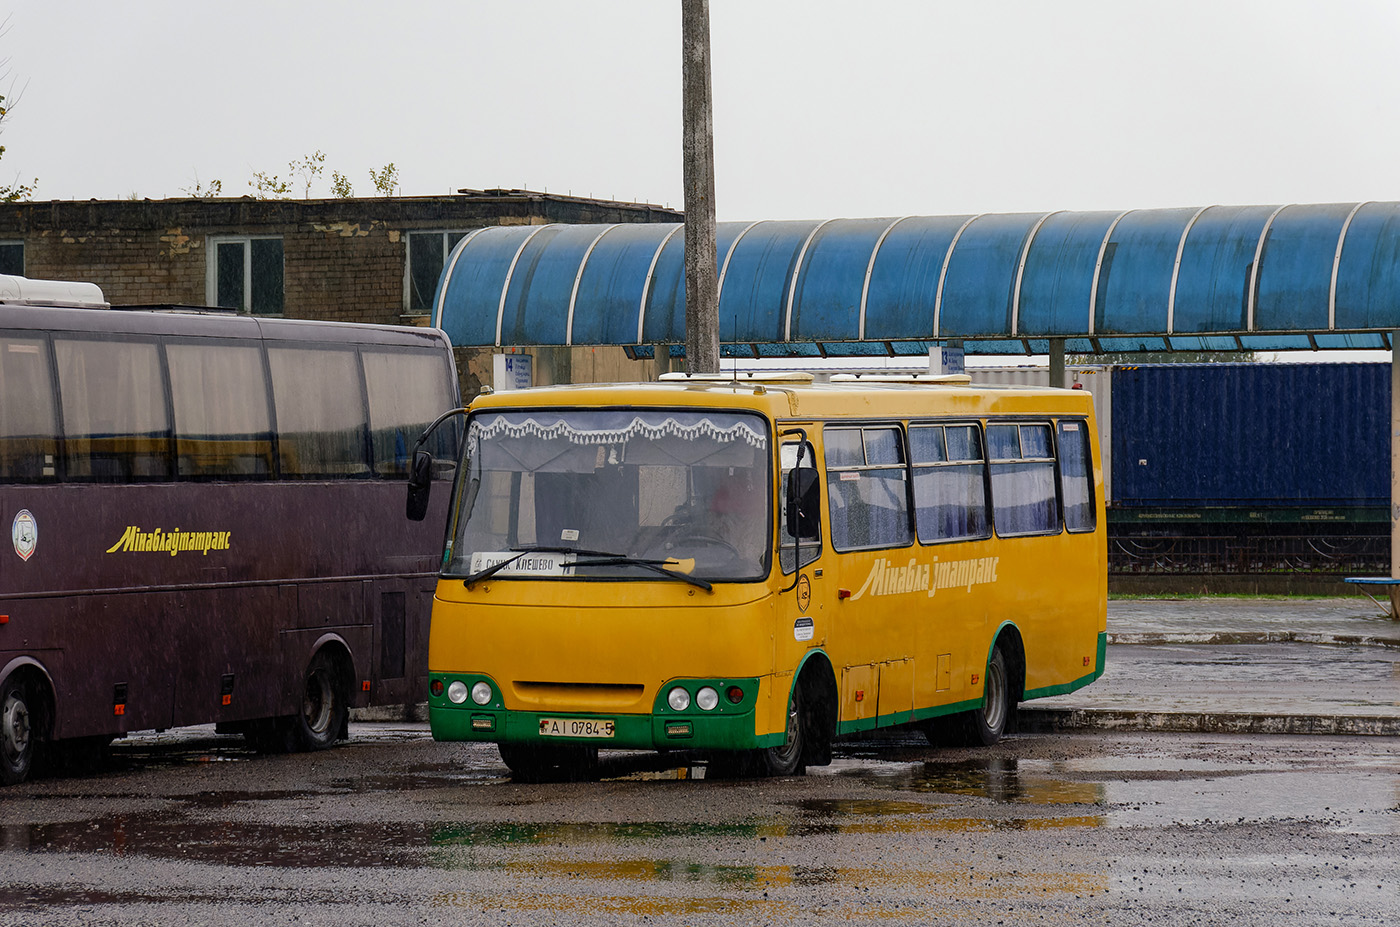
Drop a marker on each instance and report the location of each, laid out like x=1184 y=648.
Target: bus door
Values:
x=879 y=576
x=806 y=605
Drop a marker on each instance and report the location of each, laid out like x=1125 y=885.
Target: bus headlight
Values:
x=481 y=693
x=707 y=698
x=678 y=699
x=457 y=692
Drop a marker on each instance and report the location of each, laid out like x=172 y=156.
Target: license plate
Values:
x=575 y=727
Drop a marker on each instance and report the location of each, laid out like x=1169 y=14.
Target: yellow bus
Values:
x=753 y=567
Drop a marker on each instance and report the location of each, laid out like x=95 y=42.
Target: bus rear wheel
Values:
x=18 y=731
x=324 y=705
x=531 y=762
x=985 y=725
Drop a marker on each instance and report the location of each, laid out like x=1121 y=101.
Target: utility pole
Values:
x=698 y=152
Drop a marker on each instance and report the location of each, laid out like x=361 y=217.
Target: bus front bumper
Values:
x=726 y=727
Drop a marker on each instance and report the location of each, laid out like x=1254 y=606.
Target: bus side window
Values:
x=321 y=426
x=222 y=425
x=115 y=422
x=950 y=487
x=28 y=424
x=868 y=490
x=1023 y=479
x=805 y=490
x=1077 y=476
x=407 y=389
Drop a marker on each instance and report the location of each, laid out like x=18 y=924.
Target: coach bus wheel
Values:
x=324 y=707
x=986 y=724
x=18 y=733
x=549 y=762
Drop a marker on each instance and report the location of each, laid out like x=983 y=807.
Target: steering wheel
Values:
x=683 y=541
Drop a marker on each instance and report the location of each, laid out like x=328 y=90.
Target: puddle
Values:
x=1007 y=781
x=1153 y=791
x=1352 y=802
x=225 y=843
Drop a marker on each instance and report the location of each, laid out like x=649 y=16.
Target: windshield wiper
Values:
x=675 y=569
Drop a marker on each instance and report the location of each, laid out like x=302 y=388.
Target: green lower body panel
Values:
x=1079 y=683
x=727 y=725
x=628 y=732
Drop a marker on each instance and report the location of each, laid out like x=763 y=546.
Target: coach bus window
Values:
x=219 y=393
x=1023 y=479
x=320 y=412
x=950 y=486
x=867 y=488
x=407 y=390
x=114 y=415
x=28 y=446
x=1077 y=476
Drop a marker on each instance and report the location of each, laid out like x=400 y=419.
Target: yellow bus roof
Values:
x=800 y=398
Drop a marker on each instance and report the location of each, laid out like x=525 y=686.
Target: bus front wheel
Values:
x=800 y=740
x=788 y=760
x=18 y=733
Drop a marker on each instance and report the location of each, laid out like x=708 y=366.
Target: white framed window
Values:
x=427 y=256
x=245 y=273
x=12 y=258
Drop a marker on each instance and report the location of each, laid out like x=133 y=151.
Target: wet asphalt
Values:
x=1096 y=827
x=1247 y=665
x=1122 y=814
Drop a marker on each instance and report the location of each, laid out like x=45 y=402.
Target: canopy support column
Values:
x=1394 y=474
x=1057 y=363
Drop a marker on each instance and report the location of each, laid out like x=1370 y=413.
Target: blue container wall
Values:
x=1254 y=435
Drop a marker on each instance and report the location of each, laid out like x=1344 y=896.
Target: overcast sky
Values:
x=822 y=108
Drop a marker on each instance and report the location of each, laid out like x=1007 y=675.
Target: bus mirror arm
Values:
x=793 y=514
x=420 y=470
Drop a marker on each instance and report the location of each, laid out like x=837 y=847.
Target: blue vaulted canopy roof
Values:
x=1215 y=278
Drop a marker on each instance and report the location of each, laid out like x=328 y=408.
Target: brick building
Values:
x=355 y=260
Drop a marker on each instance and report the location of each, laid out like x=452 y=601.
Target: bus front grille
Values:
x=579 y=696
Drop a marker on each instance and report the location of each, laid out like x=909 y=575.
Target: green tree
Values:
x=18 y=190
x=340 y=185
x=13 y=192
x=269 y=186
x=308 y=169
x=386 y=181
x=203 y=191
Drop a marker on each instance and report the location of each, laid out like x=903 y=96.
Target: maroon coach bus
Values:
x=206 y=524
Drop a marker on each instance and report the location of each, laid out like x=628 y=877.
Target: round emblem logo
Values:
x=25 y=533
x=804 y=592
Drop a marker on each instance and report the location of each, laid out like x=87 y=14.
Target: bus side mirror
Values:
x=802 y=503
x=420 y=485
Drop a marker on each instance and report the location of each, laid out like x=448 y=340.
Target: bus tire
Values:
x=19 y=730
x=532 y=762
x=985 y=725
x=325 y=705
x=789 y=759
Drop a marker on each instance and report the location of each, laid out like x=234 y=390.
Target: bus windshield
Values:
x=614 y=494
